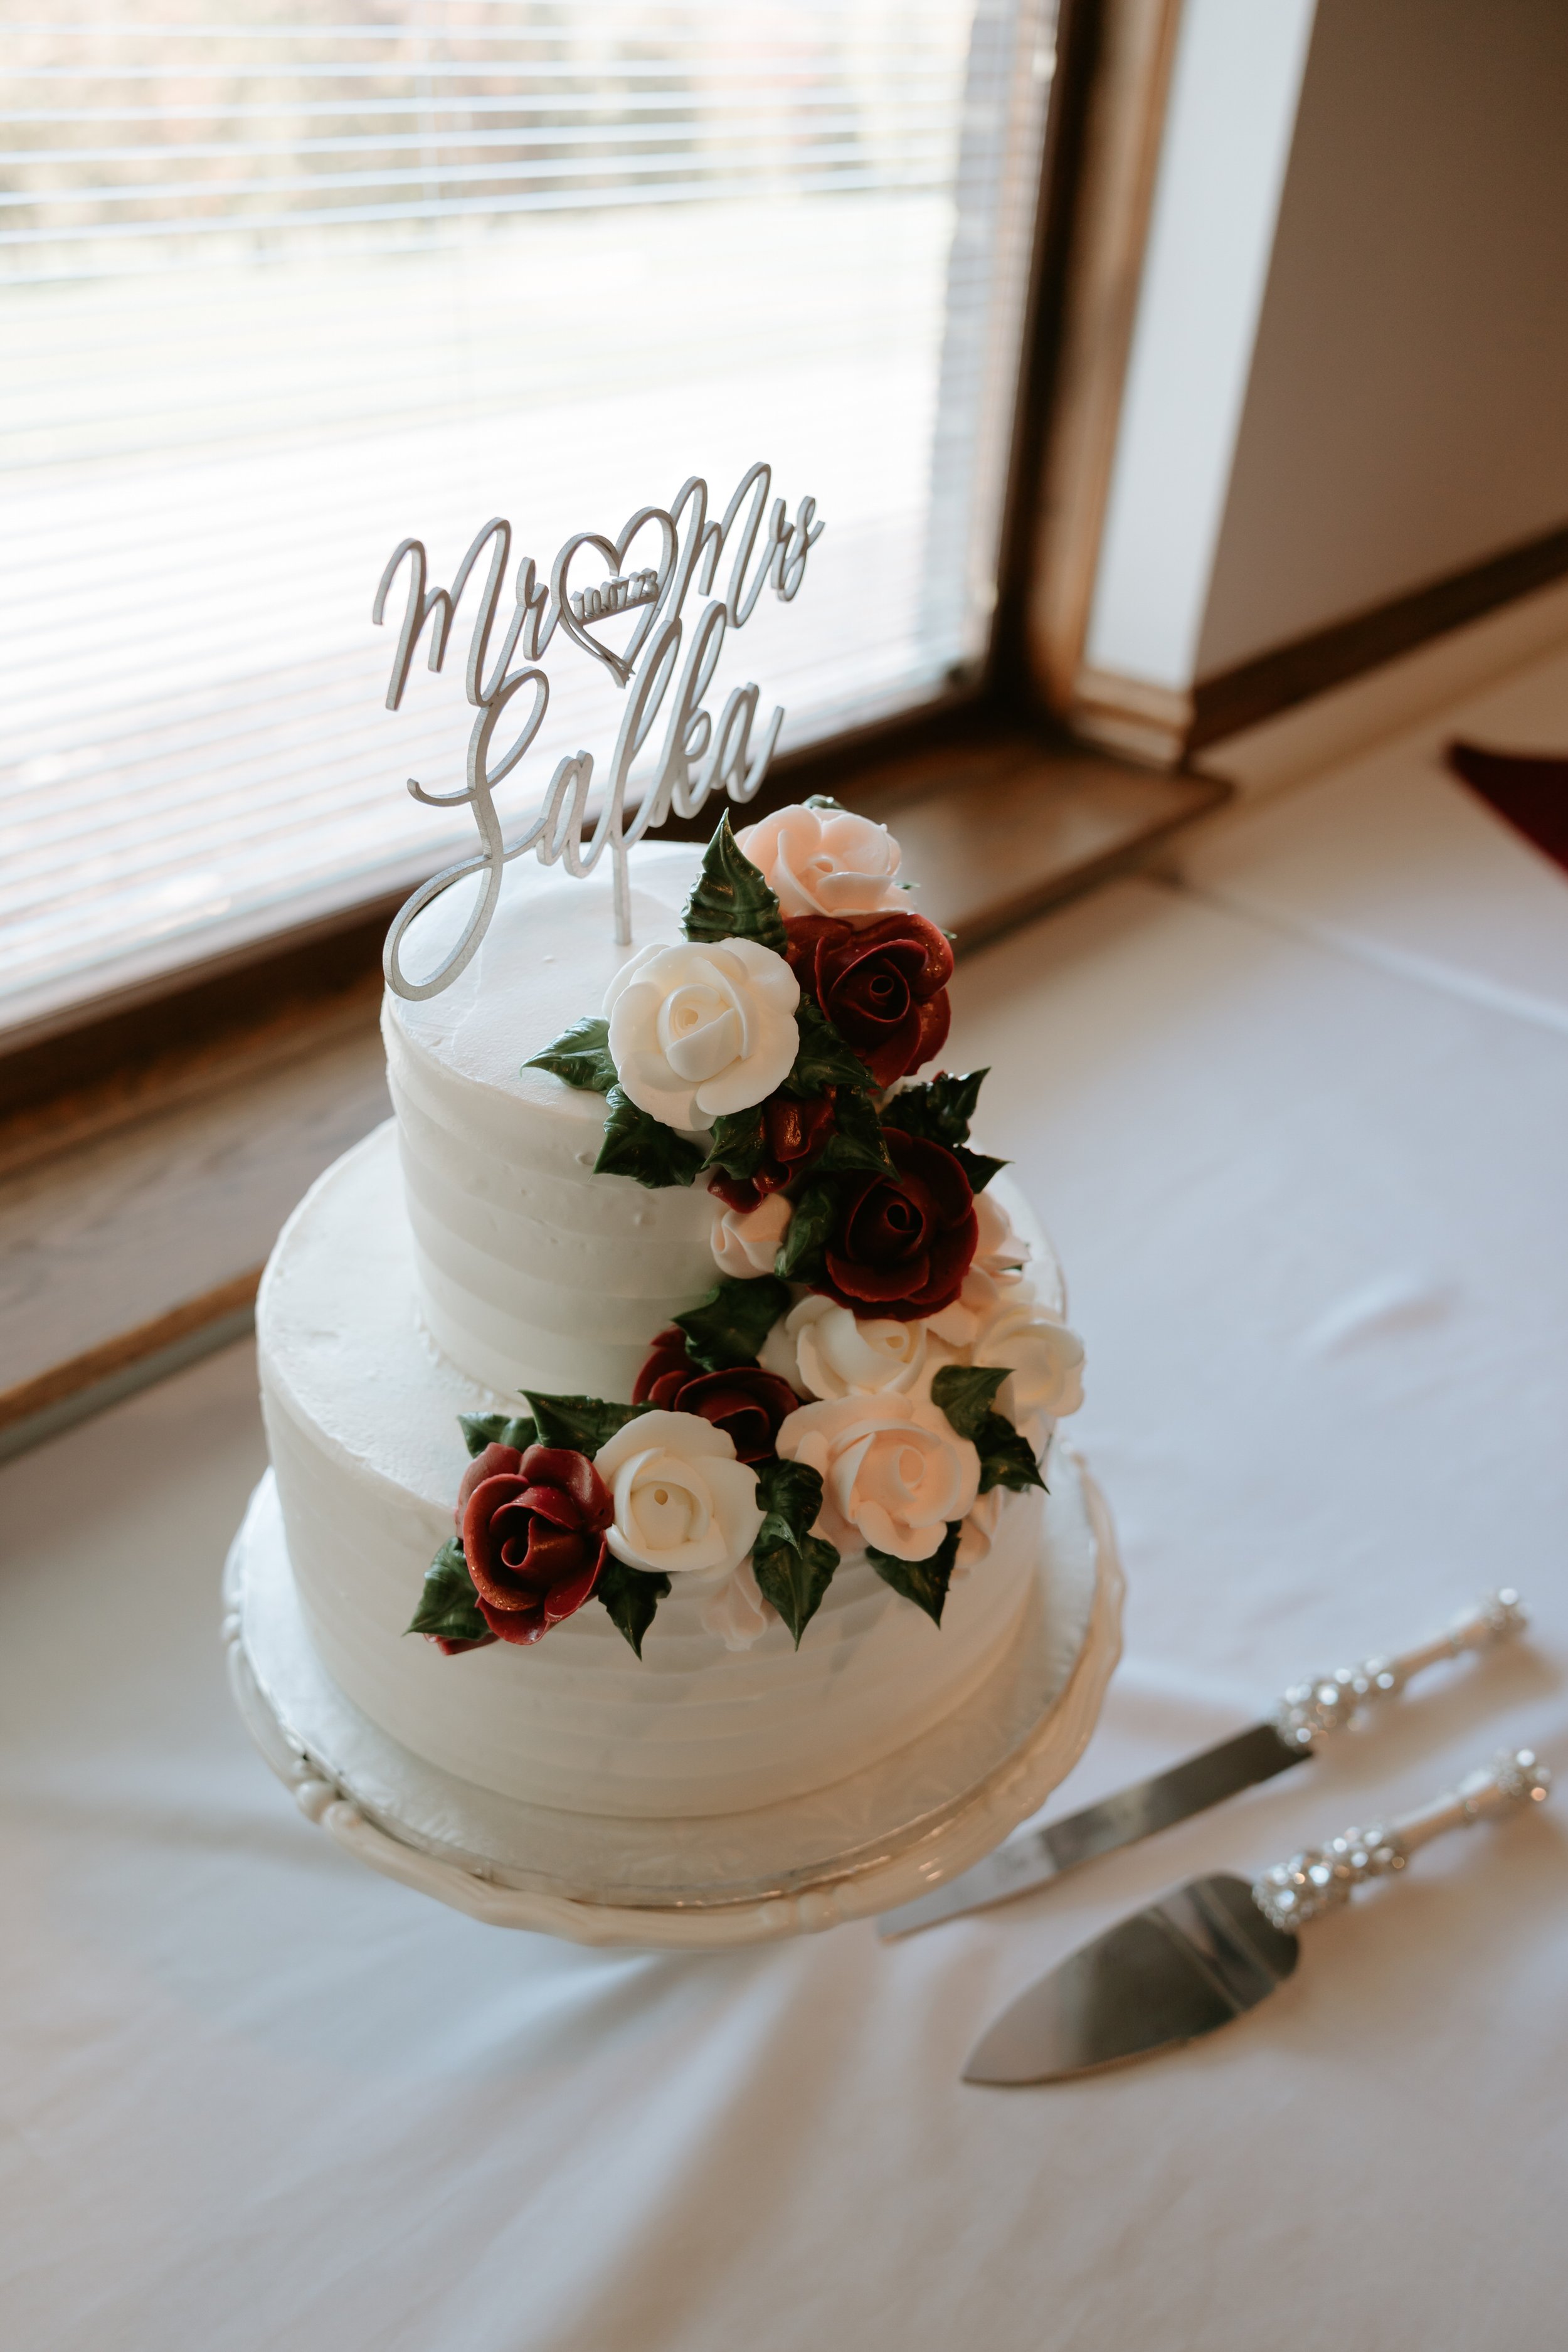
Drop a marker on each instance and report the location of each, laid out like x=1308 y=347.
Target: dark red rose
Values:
x=902 y=1244
x=883 y=985
x=795 y=1133
x=533 y=1536
x=747 y=1403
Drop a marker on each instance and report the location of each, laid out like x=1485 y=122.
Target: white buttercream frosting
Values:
x=529 y=1275
x=362 y=1419
x=498 y=1260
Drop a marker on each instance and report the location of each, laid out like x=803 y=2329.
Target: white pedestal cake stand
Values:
x=872 y=1842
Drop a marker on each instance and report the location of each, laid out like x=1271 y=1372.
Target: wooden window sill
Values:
x=148 y=1159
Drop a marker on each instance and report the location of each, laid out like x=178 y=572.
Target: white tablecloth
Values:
x=1315 y=1217
x=1388 y=856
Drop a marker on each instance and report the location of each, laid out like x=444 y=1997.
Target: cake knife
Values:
x=1216 y=1947
x=1306 y=1713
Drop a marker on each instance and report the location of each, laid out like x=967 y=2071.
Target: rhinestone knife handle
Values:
x=1325 y=1876
x=1308 y=1710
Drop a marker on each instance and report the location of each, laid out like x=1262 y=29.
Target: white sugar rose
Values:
x=747 y=1241
x=700 y=1030
x=894 y=1471
x=953 y=1331
x=995 y=1275
x=1013 y=1263
x=979 y=1532
x=682 y=1502
x=777 y=1355
x=1000 y=1249
x=1044 y=1360
x=826 y=861
x=834 y=1351
x=734 y=1610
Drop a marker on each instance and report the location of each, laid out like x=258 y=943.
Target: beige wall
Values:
x=1406 y=410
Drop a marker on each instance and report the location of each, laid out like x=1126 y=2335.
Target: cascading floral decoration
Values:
x=871 y=1372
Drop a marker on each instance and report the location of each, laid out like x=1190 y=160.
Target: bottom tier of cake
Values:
x=880 y=1838
x=362 y=1412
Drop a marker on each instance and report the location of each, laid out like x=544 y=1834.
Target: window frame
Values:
x=219 y=987
x=988 y=764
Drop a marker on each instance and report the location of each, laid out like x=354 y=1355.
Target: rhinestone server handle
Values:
x=1325 y=1876
x=1310 y=1709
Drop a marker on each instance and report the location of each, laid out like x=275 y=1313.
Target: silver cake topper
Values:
x=699 y=757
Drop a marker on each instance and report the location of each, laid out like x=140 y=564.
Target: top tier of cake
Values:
x=528 y=1276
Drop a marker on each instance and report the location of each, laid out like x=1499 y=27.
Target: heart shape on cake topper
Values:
x=614 y=552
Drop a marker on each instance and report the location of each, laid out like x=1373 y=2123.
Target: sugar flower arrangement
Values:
x=872 y=1371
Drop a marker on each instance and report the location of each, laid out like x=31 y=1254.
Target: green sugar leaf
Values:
x=938 y=1108
x=738 y=1143
x=800 y=1258
x=732 y=1321
x=447 y=1607
x=1007 y=1457
x=793 y=1567
x=581 y=1424
x=632 y=1597
x=923 y=1581
x=824 y=1059
x=794 y=1577
x=954 y=1095
x=857 y=1142
x=966 y=1393
x=581 y=1055
x=845 y=1155
x=482 y=1429
x=640 y=1146
x=978 y=1166
x=732 y=900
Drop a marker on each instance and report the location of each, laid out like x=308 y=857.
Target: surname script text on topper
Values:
x=651 y=565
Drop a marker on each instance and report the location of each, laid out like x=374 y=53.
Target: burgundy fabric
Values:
x=747 y=1403
x=902 y=1244
x=1528 y=790
x=883 y=985
x=533 y=1528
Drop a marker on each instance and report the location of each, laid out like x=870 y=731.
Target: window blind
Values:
x=275 y=292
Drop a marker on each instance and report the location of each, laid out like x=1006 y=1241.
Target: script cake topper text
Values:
x=679 y=548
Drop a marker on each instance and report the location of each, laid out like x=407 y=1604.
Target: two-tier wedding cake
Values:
x=660 y=1405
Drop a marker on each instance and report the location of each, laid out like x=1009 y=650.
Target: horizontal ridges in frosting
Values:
x=361 y=1420
x=532 y=1270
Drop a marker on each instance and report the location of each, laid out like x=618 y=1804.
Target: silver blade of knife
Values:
x=1039 y=1855
x=1188 y=1964
x=1308 y=1712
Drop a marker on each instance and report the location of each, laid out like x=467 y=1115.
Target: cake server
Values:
x=1216 y=1947
x=1306 y=1713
